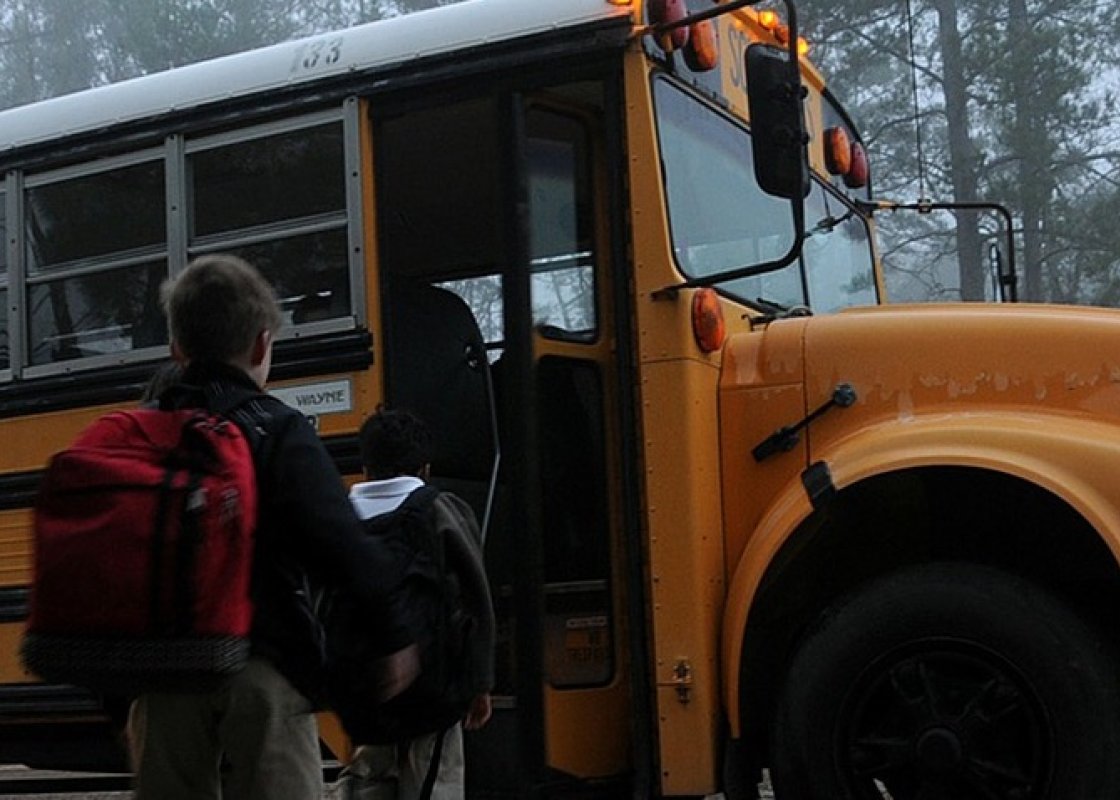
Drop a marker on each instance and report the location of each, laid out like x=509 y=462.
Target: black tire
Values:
x=948 y=682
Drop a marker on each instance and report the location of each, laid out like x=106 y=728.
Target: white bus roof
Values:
x=379 y=44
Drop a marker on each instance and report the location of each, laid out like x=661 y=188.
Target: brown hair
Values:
x=217 y=307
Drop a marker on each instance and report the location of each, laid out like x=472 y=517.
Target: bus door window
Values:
x=578 y=629
x=277 y=197
x=96 y=252
x=575 y=513
x=571 y=399
x=561 y=227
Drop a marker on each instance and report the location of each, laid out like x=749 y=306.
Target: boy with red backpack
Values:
x=233 y=652
x=223 y=318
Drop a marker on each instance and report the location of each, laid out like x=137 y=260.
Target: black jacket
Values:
x=308 y=535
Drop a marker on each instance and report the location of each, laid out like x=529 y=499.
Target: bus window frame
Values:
x=21 y=277
x=689 y=93
x=178 y=246
x=348 y=219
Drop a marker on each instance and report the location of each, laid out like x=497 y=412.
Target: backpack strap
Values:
x=239 y=406
x=433 y=767
x=228 y=403
x=416 y=505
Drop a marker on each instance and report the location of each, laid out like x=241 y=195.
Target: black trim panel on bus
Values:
x=17 y=490
x=13 y=604
x=44 y=698
x=292 y=358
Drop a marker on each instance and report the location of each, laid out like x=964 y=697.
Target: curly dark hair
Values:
x=394 y=442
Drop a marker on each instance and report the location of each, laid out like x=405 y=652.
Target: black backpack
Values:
x=443 y=629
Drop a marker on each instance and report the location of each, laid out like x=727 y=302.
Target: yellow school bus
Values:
x=742 y=518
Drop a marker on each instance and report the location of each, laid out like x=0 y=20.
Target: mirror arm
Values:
x=670 y=291
x=1010 y=281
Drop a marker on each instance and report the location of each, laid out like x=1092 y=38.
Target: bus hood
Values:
x=936 y=359
x=979 y=385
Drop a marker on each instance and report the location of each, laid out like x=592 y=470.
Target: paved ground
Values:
x=331 y=794
x=45 y=785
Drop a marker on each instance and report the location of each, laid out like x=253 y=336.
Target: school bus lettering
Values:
x=320 y=52
x=334 y=397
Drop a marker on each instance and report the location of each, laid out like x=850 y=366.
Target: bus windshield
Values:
x=720 y=219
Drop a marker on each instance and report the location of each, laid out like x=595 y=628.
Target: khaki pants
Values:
x=252 y=738
x=397 y=772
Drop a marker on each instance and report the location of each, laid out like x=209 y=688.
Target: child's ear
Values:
x=261 y=347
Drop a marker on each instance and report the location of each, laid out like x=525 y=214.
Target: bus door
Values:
x=494 y=301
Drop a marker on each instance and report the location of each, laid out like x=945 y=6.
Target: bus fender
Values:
x=1075 y=459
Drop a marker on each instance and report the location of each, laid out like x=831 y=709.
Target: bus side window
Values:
x=96 y=256
x=278 y=199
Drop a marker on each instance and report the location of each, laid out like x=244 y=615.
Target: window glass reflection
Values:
x=561 y=231
x=94 y=215
x=718 y=217
x=837 y=254
x=308 y=272
x=105 y=312
x=258 y=181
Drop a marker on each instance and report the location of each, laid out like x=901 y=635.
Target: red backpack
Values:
x=143 y=551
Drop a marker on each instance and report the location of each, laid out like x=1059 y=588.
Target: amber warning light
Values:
x=697 y=39
x=707 y=320
x=769 y=20
x=846 y=158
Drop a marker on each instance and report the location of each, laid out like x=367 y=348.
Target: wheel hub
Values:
x=940 y=750
x=944 y=718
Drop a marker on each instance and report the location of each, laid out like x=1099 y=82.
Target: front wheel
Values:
x=948 y=682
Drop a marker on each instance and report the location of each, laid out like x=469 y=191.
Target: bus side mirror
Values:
x=774 y=97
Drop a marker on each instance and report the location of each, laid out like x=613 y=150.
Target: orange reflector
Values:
x=662 y=12
x=859 y=173
x=707 y=320
x=802 y=46
x=702 y=51
x=837 y=151
x=768 y=19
